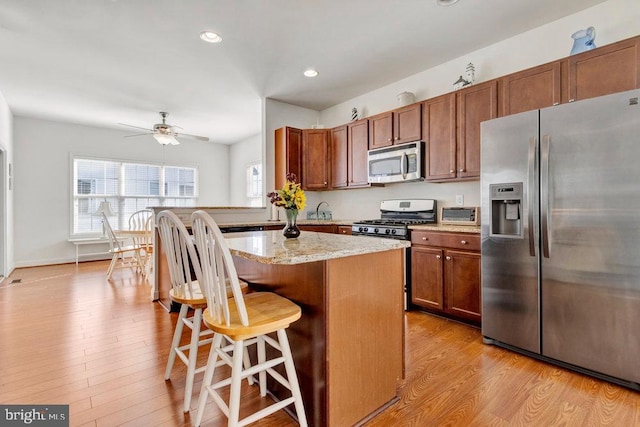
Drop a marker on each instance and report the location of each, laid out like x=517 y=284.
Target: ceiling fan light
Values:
x=310 y=73
x=165 y=139
x=210 y=37
x=446 y=2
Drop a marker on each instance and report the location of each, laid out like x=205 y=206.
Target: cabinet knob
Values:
x=425 y=238
x=451 y=171
x=571 y=100
x=464 y=242
x=556 y=103
x=390 y=139
x=448 y=258
x=396 y=138
x=461 y=170
x=325 y=183
x=438 y=257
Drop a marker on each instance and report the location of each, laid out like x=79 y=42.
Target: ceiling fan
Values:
x=165 y=133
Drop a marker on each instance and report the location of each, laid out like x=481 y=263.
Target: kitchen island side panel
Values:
x=348 y=346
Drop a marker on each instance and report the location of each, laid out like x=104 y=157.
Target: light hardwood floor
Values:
x=71 y=337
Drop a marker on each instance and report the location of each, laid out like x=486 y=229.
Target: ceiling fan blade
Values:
x=186 y=135
x=136 y=127
x=139 y=134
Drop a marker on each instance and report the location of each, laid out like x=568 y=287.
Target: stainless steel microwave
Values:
x=398 y=163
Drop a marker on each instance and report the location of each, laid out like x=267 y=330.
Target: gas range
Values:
x=396 y=217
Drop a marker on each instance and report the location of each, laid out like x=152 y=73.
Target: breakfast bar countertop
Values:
x=271 y=247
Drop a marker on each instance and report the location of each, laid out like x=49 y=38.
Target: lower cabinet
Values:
x=344 y=229
x=319 y=228
x=445 y=273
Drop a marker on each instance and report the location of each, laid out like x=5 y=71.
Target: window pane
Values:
x=179 y=181
x=96 y=177
x=141 y=180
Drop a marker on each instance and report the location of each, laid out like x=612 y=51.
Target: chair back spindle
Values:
x=179 y=250
x=218 y=269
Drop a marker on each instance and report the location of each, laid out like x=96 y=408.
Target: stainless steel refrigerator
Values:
x=561 y=235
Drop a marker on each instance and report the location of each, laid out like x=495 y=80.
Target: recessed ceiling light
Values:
x=310 y=72
x=210 y=37
x=446 y=2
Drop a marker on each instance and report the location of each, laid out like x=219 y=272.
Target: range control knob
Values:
x=387 y=231
x=375 y=230
x=393 y=231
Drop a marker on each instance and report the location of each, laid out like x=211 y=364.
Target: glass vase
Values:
x=291 y=230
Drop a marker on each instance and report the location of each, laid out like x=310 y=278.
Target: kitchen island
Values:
x=348 y=346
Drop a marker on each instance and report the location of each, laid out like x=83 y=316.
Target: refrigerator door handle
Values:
x=531 y=172
x=544 y=196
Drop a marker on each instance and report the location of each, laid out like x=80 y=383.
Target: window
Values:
x=129 y=187
x=254 y=184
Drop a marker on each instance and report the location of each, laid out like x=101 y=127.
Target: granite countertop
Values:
x=447 y=227
x=282 y=222
x=271 y=247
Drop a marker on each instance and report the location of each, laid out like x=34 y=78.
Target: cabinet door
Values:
x=439 y=133
x=608 y=69
x=531 y=89
x=319 y=228
x=462 y=284
x=315 y=159
x=407 y=124
x=288 y=154
x=475 y=105
x=344 y=229
x=339 y=157
x=426 y=277
x=358 y=147
x=381 y=130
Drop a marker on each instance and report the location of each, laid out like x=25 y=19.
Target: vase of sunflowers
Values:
x=292 y=198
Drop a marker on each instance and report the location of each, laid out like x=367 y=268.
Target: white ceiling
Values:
x=103 y=62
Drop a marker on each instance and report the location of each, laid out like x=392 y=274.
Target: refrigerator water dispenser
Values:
x=506 y=210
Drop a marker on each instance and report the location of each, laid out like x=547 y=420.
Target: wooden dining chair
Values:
x=241 y=320
x=143 y=220
x=123 y=256
x=183 y=261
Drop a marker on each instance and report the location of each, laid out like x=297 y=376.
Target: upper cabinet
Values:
x=315 y=159
x=608 y=69
x=396 y=127
x=439 y=133
x=537 y=87
x=381 y=130
x=288 y=154
x=407 y=124
x=475 y=105
x=349 y=146
x=339 y=154
x=358 y=143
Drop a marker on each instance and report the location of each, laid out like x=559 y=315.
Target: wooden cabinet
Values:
x=349 y=146
x=339 y=157
x=475 y=105
x=315 y=159
x=445 y=273
x=288 y=154
x=358 y=145
x=531 y=89
x=344 y=229
x=407 y=124
x=319 y=228
x=608 y=69
x=381 y=130
x=396 y=127
x=439 y=133
x=451 y=155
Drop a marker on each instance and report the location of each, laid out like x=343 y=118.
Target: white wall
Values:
x=43 y=173
x=6 y=218
x=614 y=20
x=241 y=154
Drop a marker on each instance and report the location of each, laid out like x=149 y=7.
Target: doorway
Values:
x=3 y=213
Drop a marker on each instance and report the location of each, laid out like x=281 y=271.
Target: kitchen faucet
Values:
x=318 y=208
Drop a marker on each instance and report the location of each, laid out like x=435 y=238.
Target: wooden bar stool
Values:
x=241 y=320
x=181 y=258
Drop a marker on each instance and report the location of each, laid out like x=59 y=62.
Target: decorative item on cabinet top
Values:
x=469 y=80
x=583 y=40
x=406 y=98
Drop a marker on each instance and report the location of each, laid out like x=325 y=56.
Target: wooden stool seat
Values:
x=194 y=297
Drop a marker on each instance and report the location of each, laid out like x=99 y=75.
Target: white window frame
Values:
x=255 y=199
x=118 y=201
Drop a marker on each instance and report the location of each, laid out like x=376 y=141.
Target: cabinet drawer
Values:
x=469 y=242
